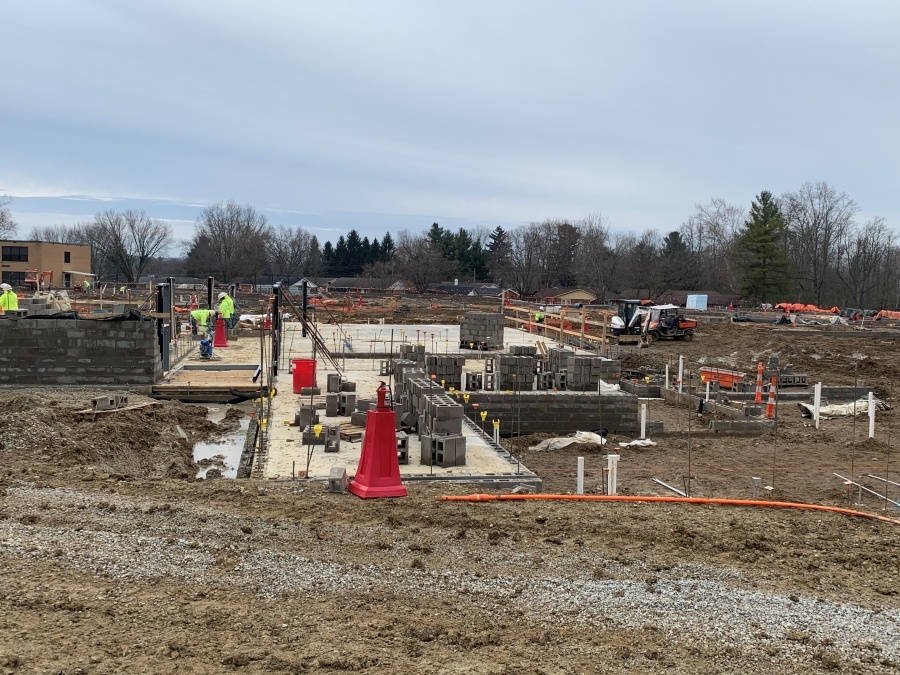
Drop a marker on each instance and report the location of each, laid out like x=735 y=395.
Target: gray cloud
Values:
x=487 y=112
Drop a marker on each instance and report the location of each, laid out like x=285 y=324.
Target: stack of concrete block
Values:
x=347 y=404
x=415 y=353
x=516 y=373
x=523 y=350
x=443 y=451
x=306 y=416
x=411 y=402
x=560 y=359
x=334 y=383
x=359 y=416
x=474 y=381
x=481 y=330
x=443 y=415
x=37 y=307
x=332 y=405
x=446 y=368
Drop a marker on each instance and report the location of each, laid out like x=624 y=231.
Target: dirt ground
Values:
x=799 y=461
x=115 y=559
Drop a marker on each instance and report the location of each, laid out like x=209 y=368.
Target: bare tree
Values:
x=524 y=259
x=382 y=273
x=61 y=234
x=597 y=259
x=288 y=251
x=229 y=241
x=817 y=218
x=130 y=239
x=710 y=236
x=863 y=254
x=420 y=262
x=8 y=227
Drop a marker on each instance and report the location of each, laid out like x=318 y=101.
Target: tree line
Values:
x=802 y=246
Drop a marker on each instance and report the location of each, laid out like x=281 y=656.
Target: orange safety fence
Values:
x=886 y=314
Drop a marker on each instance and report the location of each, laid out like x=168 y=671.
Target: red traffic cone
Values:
x=759 y=379
x=221 y=338
x=378 y=473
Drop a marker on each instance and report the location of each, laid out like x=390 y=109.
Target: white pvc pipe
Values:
x=643 y=421
x=707 y=391
x=680 y=373
x=497 y=434
x=667 y=376
x=817 y=402
x=579 y=486
x=613 y=462
x=871 y=414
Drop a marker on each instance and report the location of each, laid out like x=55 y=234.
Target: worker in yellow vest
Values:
x=226 y=309
x=9 y=301
x=200 y=320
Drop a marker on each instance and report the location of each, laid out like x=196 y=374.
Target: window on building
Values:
x=14 y=278
x=67 y=257
x=67 y=280
x=14 y=254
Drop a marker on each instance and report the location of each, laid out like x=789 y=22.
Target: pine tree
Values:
x=387 y=247
x=761 y=252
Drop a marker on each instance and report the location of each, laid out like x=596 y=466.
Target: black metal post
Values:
x=304 y=298
x=210 y=289
x=163 y=327
x=276 y=327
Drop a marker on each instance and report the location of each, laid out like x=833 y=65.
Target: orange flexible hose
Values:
x=670 y=500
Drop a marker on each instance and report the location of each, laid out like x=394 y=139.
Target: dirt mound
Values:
x=151 y=442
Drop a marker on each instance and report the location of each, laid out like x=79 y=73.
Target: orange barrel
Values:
x=304 y=373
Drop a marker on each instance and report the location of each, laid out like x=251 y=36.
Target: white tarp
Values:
x=696 y=302
x=638 y=442
x=587 y=437
x=827 y=412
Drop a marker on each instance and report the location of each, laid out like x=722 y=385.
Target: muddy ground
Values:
x=114 y=559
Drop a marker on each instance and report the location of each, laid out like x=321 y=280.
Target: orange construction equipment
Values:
x=726 y=378
x=759 y=376
x=770 y=406
x=668 y=500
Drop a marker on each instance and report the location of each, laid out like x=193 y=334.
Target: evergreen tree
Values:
x=761 y=252
x=328 y=258
x=341 y=258
x=387 y=247
x=355 y=259
x=374 y=252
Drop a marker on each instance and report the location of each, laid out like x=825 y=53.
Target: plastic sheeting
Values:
x=585 y=437
x=827 y=412
x=696 y=302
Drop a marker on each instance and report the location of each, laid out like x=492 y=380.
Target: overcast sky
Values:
x=373 y=113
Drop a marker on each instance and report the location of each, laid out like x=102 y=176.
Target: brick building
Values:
x=68 y=262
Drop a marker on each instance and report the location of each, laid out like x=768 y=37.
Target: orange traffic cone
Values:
x=770 y=407
x=221 y=337
x=759 y=376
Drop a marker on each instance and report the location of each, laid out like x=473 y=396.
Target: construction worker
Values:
x=539 y=320
x=200 y=320
x=122 y=289
x=226 y=309
x=9 y=301
x=86 y=285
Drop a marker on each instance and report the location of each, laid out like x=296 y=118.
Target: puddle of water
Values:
x=229 y=446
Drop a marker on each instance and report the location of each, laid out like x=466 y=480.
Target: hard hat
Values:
x=222 y=295
x=6 y=287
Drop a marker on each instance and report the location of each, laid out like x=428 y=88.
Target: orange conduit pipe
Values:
x=669 y=500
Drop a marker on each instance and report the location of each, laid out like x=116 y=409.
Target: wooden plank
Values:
x=136 y=406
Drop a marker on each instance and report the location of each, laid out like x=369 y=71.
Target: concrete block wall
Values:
x=558 y=412
x=70 y=352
